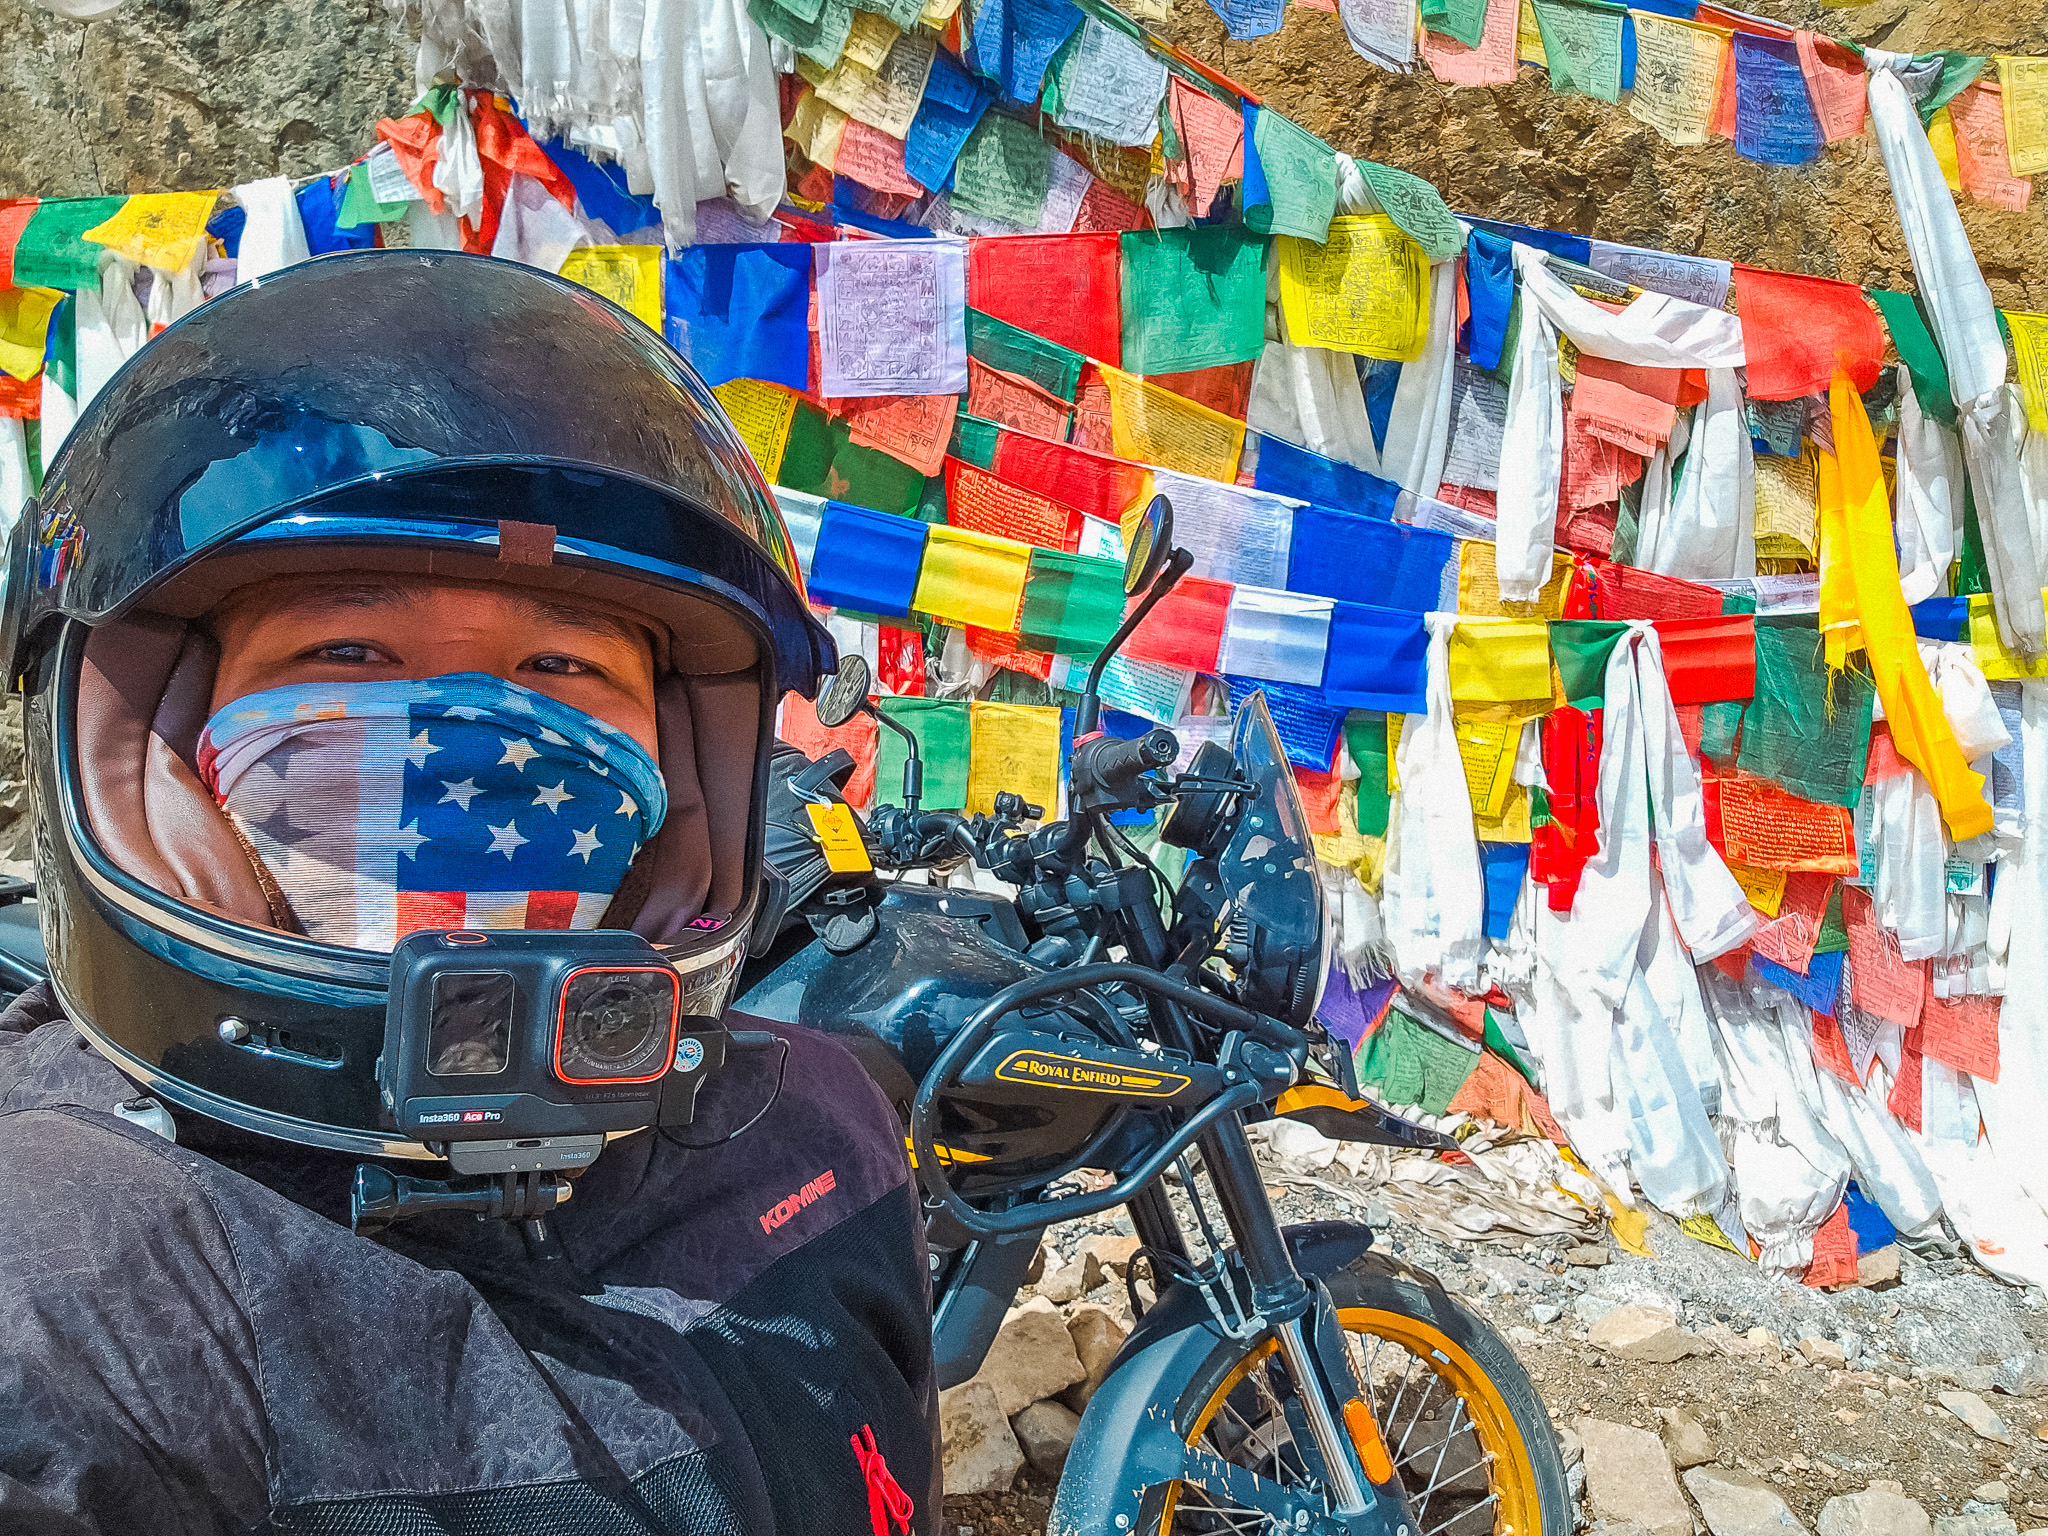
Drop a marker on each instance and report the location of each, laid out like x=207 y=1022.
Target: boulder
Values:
x=1879 y=1268
x=981 y=1452
x=1096 y=1336
x=1876 y=1511
x=2022 y=1375
x=1976 y=1413
x=1032 y=1357
x=1061 y=1285
x=1103 y=1257
x=1637 y=1332
x=1734 y=1503
x=1588 y=1255
x=1823 y=1352
x=1985 y=1522
x=1992 y=1493
x=1629 y=1477
x=1045 y=1433
x=1689 y=1442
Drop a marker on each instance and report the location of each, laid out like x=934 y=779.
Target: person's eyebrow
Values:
x=570 y=616
x=350 y=594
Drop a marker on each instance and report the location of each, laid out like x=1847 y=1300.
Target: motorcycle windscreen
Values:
x=1269 y=870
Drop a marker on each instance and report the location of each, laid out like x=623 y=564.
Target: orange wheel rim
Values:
x=1511 y=1473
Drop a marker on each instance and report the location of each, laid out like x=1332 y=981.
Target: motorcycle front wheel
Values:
x=1469 y=1437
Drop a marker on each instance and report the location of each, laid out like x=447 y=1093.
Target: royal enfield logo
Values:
x=823 y=1184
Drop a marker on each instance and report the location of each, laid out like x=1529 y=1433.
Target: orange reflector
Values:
x=1365 y=1439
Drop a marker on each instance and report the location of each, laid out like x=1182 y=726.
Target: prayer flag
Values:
x=1014 y=41
x=1277 y=636
x=1064 y=288
x=1191 y=298
x=1361 y=559
x=1109 y=85
x=914 y=429
x=1708 y=661
x=2024 y=84
x=53 y=252
x=1463 y=20
x=1678 y=76
x=892 y=317
x=1005 y=169
x=1072 y=603
x=1015 y=748
x=1835 y=85
x=1796 y=331
x=972 y=578
x=1186 y=629
x=1377 y=660
x=628 y=275
x=1001 y=345
x=1286 y=470
x=1582 y=45
x=1918 y=352
x=1308 y=727
x=867 y=561
x=762 y=414
x=1500 y=661
x=157 y=229
x=741 y=311
x=1211 y=139
x=1290 y=177
x=1235 y=533
x=2030 y=345
x=944 y=732
x=1978 y=116
x=985 y=503
x=1014 y=402
x=953 y=104
x=14 y=216
x=1806 y=728
x=25 y=329
x=1364 y=290
x=1488 y=61
x=1154 y=426
x=1774 y=121
x=1092 y=483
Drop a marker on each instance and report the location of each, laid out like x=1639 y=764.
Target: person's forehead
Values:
x=313 y=594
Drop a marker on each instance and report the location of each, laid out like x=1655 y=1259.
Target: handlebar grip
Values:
x=1119 y=764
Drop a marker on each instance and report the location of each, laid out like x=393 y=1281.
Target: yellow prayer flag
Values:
x=2025 y=84
x=1479 y=584
x=1704 y=1229
x=761 y=414
x=1394 y=724
x=158 y=229
x=24 y=328
x=1150 y=425
x=1678 y=76
x=1487 y=747
x=1786 y=512
x=2030 y=347
x=1765 y=888
x=1500 y=661
x=1364 y=290
x=1993 y=659
x=1941 y=138
x=1529 y=38
x=1512 y=825
x=1014 y=747
x=969 y=578
x=815 y=128
x=628 y=275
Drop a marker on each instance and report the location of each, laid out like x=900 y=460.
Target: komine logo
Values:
x=823 y=1184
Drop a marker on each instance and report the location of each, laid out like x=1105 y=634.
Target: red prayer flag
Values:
x=1830 y=1050
x=21 y=398
x=1834 y=1249
x=986 y=503
x=899 y=656
x=1789 y=937
x=1226 y=388
x=801 y=730
x=1212 y=140
x=1904 y=1102
x=1709 y=660
x=15 y=213
x=1094 y=483
x=1013 y=401
x=1104 y=210
x=1319 y=793
x=503 y=146
x=1007 y=651
x=1186 y=629
x=1798 y=331
x=416 y=142
x=1962 y=1032
x=1066 y=288
x=1627 y=592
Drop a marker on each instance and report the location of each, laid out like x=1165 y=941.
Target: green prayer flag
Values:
x=1496 y=1041
x=1004 y=171
x=1300 y=172
x=1957 y=71
x=1834 y=934
x=1463 y=19
x=1737 y=603
x=1806 y=728
x=1365 y=738
x=32 y=440
x=1720 y=730
x=974 y=441
x=999 y=344
x=943 y=734
x=1413 y=1064
x=52 y=252
x=60 y=348
x=1917 y=351
x=822 y=461
x=821 y=39
x=359 y=204
x=1972 y=575
x=931 y=501
x=1628 y=525
x=1417 y=207
x=1192 y=298
x=1583 y=44
x=1581 y=647
x=903 y=13
x=1072 y=603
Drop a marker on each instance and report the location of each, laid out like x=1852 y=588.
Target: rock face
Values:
x=981 y=1453
x=1628 y=1477
x=175 y=95
x=1737 y=1504
x=1524 y=153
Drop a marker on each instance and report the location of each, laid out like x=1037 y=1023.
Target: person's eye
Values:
x=557 y=665
x=348 y=653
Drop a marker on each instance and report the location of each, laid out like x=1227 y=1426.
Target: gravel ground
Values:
x=1867 y=1408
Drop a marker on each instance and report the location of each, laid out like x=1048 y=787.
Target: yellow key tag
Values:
x=839 y=836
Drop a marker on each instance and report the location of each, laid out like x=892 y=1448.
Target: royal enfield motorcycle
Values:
x=1106 y=1037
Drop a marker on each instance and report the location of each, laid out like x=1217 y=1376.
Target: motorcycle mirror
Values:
x=1151 y=542
x=844 y=694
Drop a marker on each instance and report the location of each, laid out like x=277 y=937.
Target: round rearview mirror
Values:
x=1150 y=543
x=842 y=694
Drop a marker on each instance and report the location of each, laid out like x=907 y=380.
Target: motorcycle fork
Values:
x=1366 y=1495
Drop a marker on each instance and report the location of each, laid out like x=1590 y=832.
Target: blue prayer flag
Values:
x=1942 y=618
x=953 y=103
x=319 y=203
x=1286 y=470
x=603 y=189
x=1360 y=559
x=1490 y=281
x=1378 y=659
x=1571 y=247
x=866 y=561
x=1014 y=40
x=742 y=311
x=1504 y=865
x=1774 y=121
x=1308 y=727
x=1818 y=988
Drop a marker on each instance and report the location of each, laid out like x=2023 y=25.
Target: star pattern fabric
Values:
x=451 y=802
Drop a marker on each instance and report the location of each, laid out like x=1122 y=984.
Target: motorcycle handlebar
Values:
x=1118 y=765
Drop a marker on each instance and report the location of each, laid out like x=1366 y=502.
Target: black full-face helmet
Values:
x=414 y=412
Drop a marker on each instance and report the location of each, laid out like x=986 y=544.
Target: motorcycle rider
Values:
x=376 y=485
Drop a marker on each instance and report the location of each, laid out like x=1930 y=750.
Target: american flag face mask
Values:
x=446 y=802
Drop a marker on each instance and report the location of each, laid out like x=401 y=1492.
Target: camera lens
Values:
x=470 y=1030
x=616 y=1025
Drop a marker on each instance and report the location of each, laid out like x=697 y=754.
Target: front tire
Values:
x=1469 y=1437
